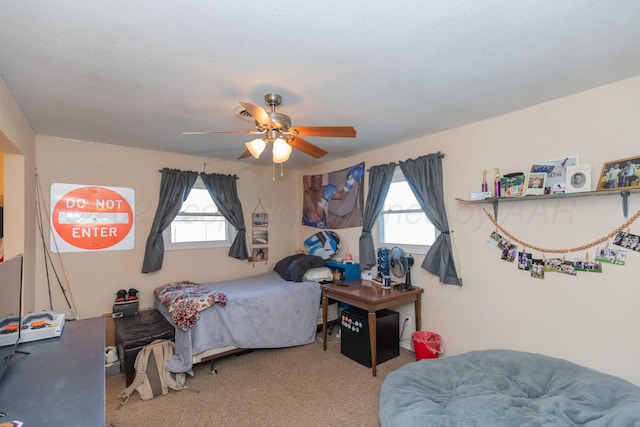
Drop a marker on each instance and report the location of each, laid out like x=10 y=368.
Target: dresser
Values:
x=61 y=382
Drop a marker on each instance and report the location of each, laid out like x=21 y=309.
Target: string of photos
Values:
x=259 y=234
x=603 y=254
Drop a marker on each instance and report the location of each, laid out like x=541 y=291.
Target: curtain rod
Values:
x=439 y=154
x=235 y=176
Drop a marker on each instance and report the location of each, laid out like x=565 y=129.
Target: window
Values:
x=402 y=222
x=199 y=224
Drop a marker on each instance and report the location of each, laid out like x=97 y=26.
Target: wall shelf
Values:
x=624 y=194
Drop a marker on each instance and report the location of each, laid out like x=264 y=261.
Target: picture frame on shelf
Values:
x=556 y=173
x=512 y=184
x=619 y=174
x=536 y=183
x=578 y=178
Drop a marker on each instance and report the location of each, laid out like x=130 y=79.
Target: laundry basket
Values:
x=426 y=344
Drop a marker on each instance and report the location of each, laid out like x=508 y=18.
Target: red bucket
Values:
x=426 y=344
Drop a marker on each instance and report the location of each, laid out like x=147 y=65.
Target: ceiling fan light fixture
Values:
x=281 y=151
x=256 y=147
x=272 y=125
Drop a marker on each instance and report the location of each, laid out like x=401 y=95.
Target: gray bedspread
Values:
x=263 y=311
x=505 y=388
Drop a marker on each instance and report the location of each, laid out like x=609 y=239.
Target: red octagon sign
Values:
x=92 y=218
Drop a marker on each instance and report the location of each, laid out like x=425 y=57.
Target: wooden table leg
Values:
x=418 y=311
x=325 y=310
x=372 y=341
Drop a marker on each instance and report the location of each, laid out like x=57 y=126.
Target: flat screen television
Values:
x=10 y=310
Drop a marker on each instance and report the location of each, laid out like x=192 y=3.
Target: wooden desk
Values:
x=371 y=297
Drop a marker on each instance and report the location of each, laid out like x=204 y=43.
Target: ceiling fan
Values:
x=276 y=127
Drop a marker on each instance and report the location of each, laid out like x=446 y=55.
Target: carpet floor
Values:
x=299 y=386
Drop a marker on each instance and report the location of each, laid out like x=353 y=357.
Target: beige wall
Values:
x=95 y=277
x=591 y=319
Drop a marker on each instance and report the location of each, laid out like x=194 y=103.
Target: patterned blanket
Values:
x=185 y=301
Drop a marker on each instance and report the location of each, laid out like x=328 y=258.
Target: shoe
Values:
x=121 y=295
x=111 y=355
x=133 y=295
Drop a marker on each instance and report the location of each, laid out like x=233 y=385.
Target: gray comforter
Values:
x=263 y=311
x=505 y=388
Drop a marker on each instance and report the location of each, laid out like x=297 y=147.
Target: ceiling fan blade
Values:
x=259 y=114
x=244 y=155
x=331 y=131
x=307 y=147
x=207 y=132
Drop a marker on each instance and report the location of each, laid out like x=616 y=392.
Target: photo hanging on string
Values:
x=493 y=240
x=537 y=269
x=557 y=265
x=611 y=255
x=627 y=241
x=582 y=264
x=509 y=253
x=524 y=261
x=568 y=267
x=503 y=242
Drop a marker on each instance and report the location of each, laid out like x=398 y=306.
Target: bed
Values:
x=270 y=310
x=505 y=388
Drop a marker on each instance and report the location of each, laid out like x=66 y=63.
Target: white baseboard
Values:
x=406 y=344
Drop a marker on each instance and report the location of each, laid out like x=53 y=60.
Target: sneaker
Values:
x=111 y=355
x=121 y=295
x=133 y=295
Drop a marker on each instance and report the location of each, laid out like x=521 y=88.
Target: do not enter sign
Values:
x=89 y=218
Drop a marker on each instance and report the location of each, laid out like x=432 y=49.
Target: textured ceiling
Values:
x=137 y=73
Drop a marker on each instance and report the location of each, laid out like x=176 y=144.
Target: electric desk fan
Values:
x=400 y=264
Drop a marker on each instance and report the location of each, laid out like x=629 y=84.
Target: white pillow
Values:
x=318 y=274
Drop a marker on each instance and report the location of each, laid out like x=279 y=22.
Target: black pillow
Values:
x=293 y=268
